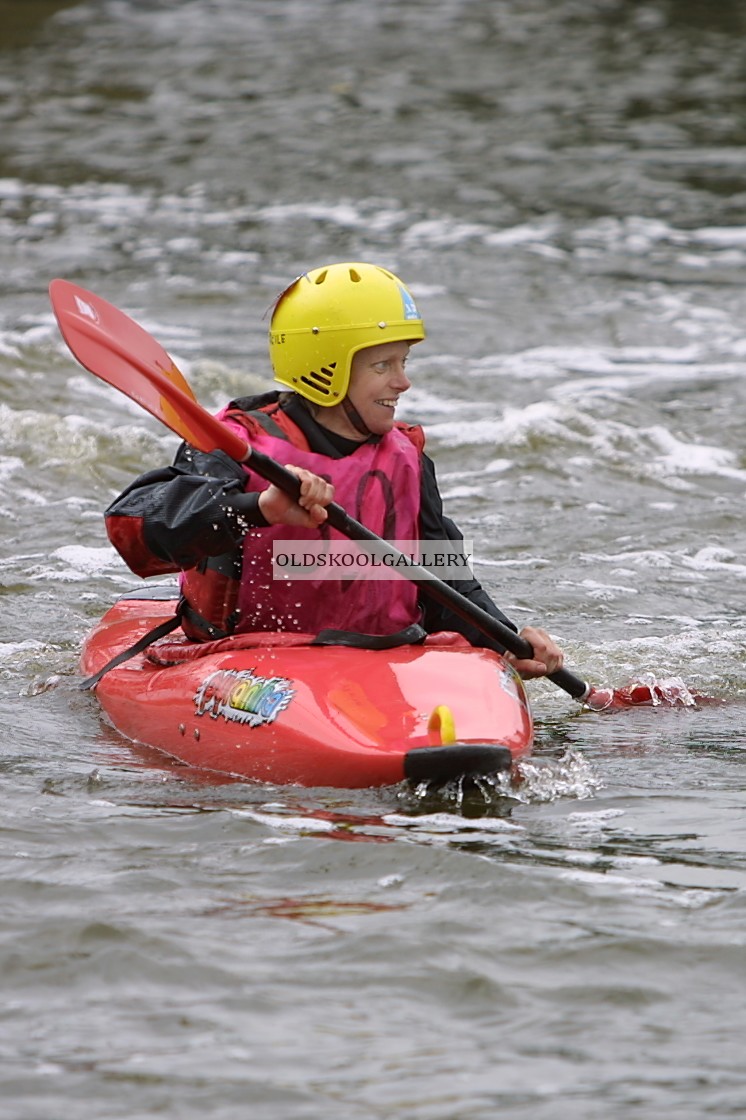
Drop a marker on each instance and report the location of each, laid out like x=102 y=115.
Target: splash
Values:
x=646 y=689
x=570 y=776
x=472 y=793
x=535 y=779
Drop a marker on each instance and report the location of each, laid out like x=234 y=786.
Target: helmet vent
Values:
x=321 y=380
x=321 y=277
x=355 y=276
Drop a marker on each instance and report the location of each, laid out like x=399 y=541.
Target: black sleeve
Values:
x=183 y=513
x=434 y=525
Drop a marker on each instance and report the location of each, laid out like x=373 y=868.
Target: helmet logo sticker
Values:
x=410 y=307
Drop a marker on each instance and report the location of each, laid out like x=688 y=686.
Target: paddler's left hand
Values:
x=548 y=657
x=308 y=512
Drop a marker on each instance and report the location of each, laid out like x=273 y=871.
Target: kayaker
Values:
x=339 y=339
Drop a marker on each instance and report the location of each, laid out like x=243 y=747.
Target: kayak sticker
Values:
x=242 y=696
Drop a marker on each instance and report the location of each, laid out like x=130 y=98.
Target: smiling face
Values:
x=377 y=380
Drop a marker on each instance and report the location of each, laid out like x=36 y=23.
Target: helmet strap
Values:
x=355 y=418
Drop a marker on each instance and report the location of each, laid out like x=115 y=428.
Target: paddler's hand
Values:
x=548 y=657
x=308 y=512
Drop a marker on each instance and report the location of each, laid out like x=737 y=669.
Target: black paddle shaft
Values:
x=431 y=585
x=113 y=347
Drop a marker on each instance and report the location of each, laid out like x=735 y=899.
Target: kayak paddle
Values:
x=113 y=347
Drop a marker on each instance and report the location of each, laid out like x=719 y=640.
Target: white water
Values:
x=561 y=186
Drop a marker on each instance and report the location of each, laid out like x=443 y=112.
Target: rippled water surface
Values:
x=563 y=185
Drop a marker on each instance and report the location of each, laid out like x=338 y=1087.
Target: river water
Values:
x=563 y=185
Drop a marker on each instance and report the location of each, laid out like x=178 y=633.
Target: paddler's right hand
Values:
x=548 y=657
x=308 y=512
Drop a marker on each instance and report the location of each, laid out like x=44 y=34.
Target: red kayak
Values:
x=276 y=708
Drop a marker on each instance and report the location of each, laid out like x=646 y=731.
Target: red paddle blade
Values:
x=116 y=349
x=646 y=691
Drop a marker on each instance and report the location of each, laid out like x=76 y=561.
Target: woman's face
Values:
x=377 y=379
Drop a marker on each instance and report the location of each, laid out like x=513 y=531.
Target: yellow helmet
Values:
x=325 y=316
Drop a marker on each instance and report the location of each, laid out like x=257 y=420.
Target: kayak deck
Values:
x=274 y=708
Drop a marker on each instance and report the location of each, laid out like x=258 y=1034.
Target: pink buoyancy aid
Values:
x=377 y=484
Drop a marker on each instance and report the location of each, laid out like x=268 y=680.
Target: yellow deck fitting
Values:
x=442 y=724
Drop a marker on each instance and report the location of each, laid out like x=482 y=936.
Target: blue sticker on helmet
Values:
x=410 y=307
